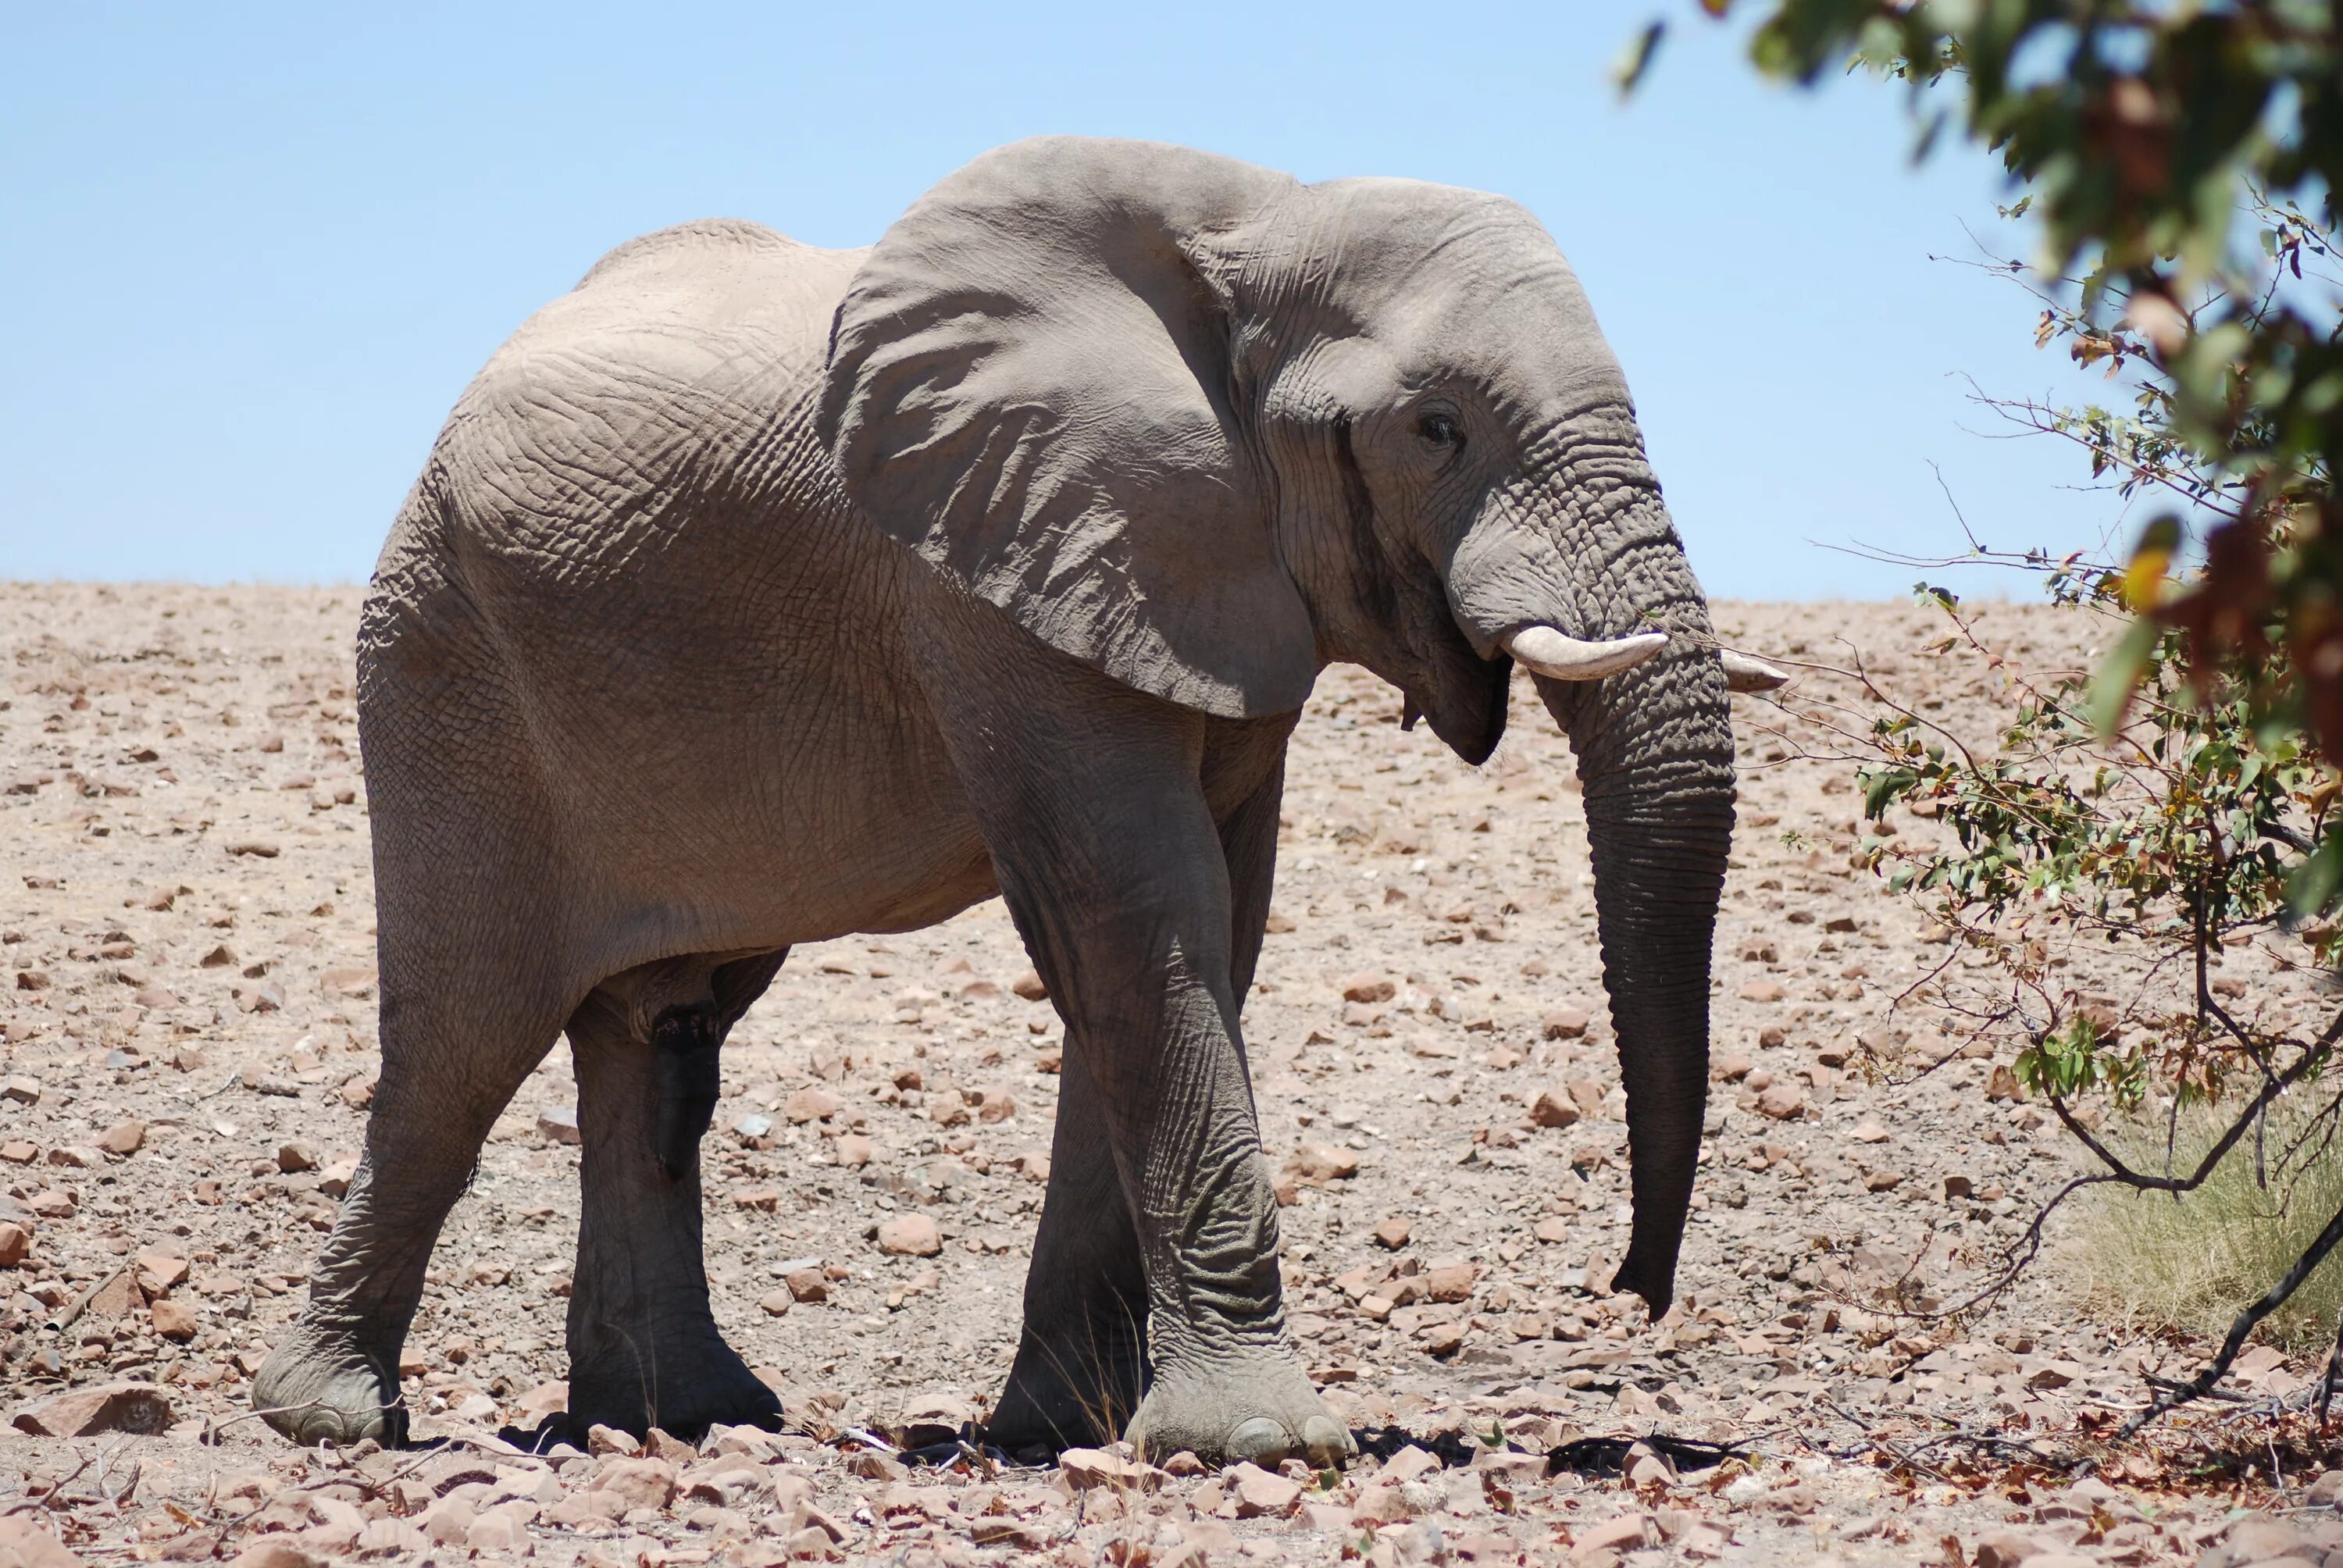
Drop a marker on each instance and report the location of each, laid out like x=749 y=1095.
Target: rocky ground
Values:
x=185 y=995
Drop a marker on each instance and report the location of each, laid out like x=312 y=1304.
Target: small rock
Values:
x=1410 y=1464
x=1322 y=1162
x=1028 y=986
x=911 y=1236
x=638 y=1483
x=495 y=1534
x=1566 y=1023
x=138 y=1408
x=24 y=1544
x=775 y=1303
x=559 y=1125
x=810 y=1285
x=600 y=1439
x=123 y=1138
x=852 y=1150
x=173 y=1319
x=15 y=1244
x=1730 y=1068
x=23 y=1090
x=1627 y=1532
x=1088 y=1468
x=1260 y=1495
x=278 y=1553
x=813 y=1103
x=297 y=1156
x=1761 y=991
x=662 y=1445
x=1782 y=1103
x=1392 y=1234
x=1368 y=986
x=2258 y=1539
x=2004 y=1549
x=1555 y=1109
x=1870 y=1132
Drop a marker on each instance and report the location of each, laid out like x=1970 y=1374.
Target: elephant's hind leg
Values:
x=454 y=1052
x=1082 y=1356
x=644 y=1349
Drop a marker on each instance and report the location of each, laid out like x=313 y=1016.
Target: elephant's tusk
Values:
x=1545 y=652
x=1743 y=673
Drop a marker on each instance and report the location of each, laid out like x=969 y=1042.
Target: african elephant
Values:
x=757 y=594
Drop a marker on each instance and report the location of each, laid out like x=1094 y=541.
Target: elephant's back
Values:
x=665 y=400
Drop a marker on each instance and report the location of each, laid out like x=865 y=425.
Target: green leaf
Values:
x=1881 y=789
x=2311 y=891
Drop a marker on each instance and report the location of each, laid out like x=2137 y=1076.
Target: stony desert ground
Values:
x=187 y=1000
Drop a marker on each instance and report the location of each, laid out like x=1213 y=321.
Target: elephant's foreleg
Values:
x=1081 y=1357
x=644 y=1349
x=1093 y=805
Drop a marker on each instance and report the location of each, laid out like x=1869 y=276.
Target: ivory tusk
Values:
x=1743 y=673
x=1542 y=650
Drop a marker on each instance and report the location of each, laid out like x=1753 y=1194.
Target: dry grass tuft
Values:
x=2149 y=1261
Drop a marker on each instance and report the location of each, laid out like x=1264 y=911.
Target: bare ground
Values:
x=186 y=933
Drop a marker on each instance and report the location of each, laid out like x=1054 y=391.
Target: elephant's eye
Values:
x=1439 y=429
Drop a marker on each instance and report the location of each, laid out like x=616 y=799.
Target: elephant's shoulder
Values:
x=714 y=242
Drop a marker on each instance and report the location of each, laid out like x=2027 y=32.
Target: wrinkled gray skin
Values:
x=757 y=594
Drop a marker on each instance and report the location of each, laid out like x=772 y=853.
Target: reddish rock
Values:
x=813 y=1103
x=911 y=1236
x=1761 y=991
x=1368 y=986
x=123 y=1138
x=1088 y=1468
x=1028 y=986
x=15 y=1244
x=1260 y=1495
x=173 y=1319
x=137 y=1408
x=1322 y=1162
x=1565 y=1023
x=637 y=1483
x=1393 y=1233
x=1553 y=1108
x=23 y=1543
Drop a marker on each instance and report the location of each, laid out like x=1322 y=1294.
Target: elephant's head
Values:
x=1210 y=429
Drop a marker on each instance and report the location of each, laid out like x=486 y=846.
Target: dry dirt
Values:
x=186 y=993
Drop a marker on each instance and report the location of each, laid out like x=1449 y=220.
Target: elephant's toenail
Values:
x=1325 y=1441
x=1261 y=1441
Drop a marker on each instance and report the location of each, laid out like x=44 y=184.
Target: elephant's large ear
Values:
x=1029 y=384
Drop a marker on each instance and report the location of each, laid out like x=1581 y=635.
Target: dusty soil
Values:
x=186 y=933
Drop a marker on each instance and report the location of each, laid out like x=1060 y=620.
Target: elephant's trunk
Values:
x=1655 y=757
x=1584 y=542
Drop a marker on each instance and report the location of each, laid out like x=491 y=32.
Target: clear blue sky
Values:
x=251 y=254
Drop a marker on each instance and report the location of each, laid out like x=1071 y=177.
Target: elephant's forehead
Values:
x=1447 y=278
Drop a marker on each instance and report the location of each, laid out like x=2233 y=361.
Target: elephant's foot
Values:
x=1254 y=1404
x=1069 y=1390
x=319 y=1387
x=683 y=1382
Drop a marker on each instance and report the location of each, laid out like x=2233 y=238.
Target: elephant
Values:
x=757 y=594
